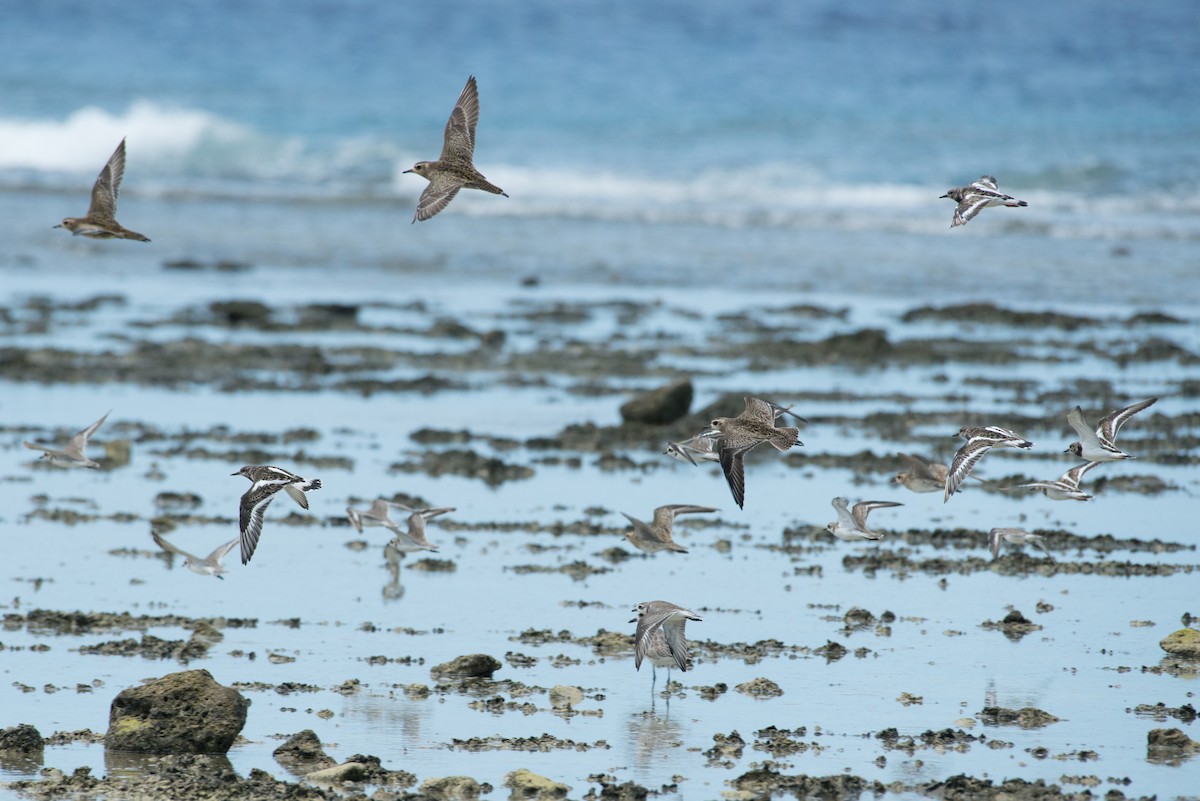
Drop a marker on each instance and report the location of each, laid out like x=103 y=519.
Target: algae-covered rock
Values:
x=182 y=713
x=526 y=784
x=475 y=666
x=1185 y=642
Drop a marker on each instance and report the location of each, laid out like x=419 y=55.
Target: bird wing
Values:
x=863 y=508
x=296 y=494
x=964 y=461
x=167 y=546
x=843 y=512
x=1074 y=476
x=641 y=527
x=221 y=551
x=970 y=206
x=33 y=446
x=459 y=140
x=986 y=183
x=441 y=190
x=1111 y=423
x=78 y=443
x=108 y=186
x=254 y=505
x=918 y=466
x=654 y=617
x=1086 y=435
x=732 y=465
x=677 y=644
x=759 y=409
x=994 y=537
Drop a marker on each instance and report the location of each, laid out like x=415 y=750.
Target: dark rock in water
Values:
x=1170 y=746
x=329 y=315
x=480 y=666
x=21 y=739
x=452 y=788
x=1028 y=717
x=1185 y=642
x=302 y=753
x=660 y=406
x=248 y=313
x=182 y=713
x=527 y=784
x=760 y=688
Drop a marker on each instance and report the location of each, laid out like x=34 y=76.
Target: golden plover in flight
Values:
x=454 y=169
x=657 y=536
x=737 y=435
x=101 y=219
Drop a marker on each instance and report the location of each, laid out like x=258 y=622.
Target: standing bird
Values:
x=980 y=439
x=921 y=476
x=454 y=169
x=660 y=637
x=266 y=481
x=1065 y=487
x=101 y=219
x=208 y=566
x=737 y=435
x=74 y=453
x=851 y=524
x=657 y=536
x=414 y=539
x=1100 y=445
x=978 y=196
x=1015 y=536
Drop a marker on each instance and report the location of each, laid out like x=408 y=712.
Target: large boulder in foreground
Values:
x=182 y=713
x=660 y=406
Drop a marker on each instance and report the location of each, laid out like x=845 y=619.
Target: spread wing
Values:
x=437 y=196
x=1112 y=422
x=78 y=443
x=986 y=183
x=254 y=505
x=861 y=510
x=222 y=551
x=459 y=141
x=732 y=464
x=970 y=206
x=108 y=186
x=759 y=409
x=964 y=461
x=167 y=546
x=296 y=494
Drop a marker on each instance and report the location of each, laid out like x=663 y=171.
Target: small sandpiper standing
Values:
x=660 y=637
x=74 y=453
x=737 y=435
x=851 y=524
x=978 y=196
x=455 y=168
x=980 y=439
x=657 y=536
x=266 y=481
x=1100 y=445
x=101 y=219
x=208 y=566
x=1016 y=536
x=1065 y=487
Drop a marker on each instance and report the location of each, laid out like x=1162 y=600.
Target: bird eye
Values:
x=715 y=422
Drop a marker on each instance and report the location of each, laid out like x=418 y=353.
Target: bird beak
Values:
x=633 y=620
x=1068 y=450
x=236 y=474
x=406 y=171
x=57 y=226
x=945 y=195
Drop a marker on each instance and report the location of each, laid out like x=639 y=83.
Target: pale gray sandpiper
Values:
x=100 y=222
x=74 y=453
x=1065 y=487
x=700 y=447
x=455 y=168
x=851 y=524
x=1100 y=445
x=377 y=515
x=660 y=636
x=208 y=566
x=266 y=481
x=1016 y=536
x=657 y=536
x=979 y=440
x=921 y=476
x=737 y=435
x=976 y=197
x=414 y=539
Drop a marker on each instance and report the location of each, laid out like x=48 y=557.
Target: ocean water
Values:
x=789 y=142
x=706 y=158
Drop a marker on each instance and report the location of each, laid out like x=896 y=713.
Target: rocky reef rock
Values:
x=181 y=713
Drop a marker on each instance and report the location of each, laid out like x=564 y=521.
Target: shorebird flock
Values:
x=659 y=636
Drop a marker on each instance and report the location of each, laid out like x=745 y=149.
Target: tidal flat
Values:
x=914 y=667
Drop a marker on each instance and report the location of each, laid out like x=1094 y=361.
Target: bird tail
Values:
x=784 y=438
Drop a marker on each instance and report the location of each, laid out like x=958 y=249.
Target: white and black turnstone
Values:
x=1100 y=445
x=976 y=197
x=266 y=481
x=980 y=439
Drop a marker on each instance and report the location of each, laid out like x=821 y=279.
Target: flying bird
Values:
x=100 y=222
x=266 y=481
x=979 y=440
x=1100 y=445
x=976 y=197
x=74 y=453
